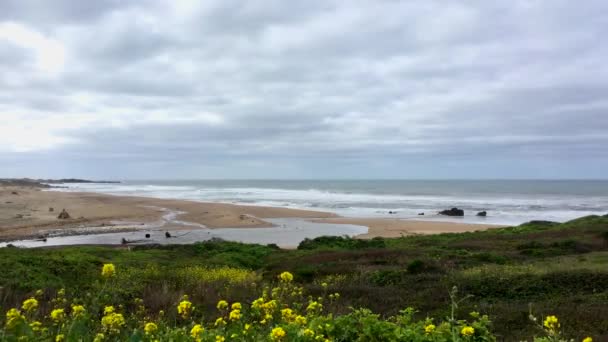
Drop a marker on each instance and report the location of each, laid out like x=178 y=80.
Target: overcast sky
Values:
x=304 y=89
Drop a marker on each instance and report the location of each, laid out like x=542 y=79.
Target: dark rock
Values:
x=420 y=214
x=19 y=216
x=167 y=235
x=15 y=193
x=63 y=215
x=452 y=212
x=147 y=236
x=482 y=213
x=392 y=212
x=243 y=217
x=51 y=210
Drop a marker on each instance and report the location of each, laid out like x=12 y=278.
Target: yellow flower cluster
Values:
x=235 y=315
x=196 y=332
x=108 y=270
x=112 y=322
x=30 y=305
x=184 y=308
x=428 y=329
x=219 y=322
x=308 y=333
x=467 y=331
x=222 y=304
x=286 y=277
x=77 y=310
x=551 y=323
x=150 y=328
x=314 y=306
x=58 y=315
x=277 y=334
x=36 y=326
x=230 y=275
x=13 y=317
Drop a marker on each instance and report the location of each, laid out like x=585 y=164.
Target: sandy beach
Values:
x=390 y=228
x=25 y=213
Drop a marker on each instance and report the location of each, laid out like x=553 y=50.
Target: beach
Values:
x=25 y=213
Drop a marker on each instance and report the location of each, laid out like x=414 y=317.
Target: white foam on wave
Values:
x=503 y=209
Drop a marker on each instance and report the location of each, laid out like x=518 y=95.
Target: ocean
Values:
x=508 y=202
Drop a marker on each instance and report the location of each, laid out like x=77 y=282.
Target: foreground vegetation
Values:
x=539 y=269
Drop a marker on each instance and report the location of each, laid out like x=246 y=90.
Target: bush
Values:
x=340 y=242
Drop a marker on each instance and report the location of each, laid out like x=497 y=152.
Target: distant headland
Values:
x=44 y=183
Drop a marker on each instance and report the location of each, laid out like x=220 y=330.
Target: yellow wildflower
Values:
x=30 y=304
x=197 y=331
x=13 y=317
x=286 y=277
x=184 y=308
x=235 y=315
x=257 y=304
x=301 y=320
x=270 y=306
x=108 y=310
x=150 y=328
x=588 y=339
x=308 y=333
x=246 y=328
x=287 y=314
x=467 y=331
x=222 y=304
x=59 y=338
x=314 y=306
x=99 y=337
x=277 y=334
x=236 y=306
x=551 y=323
x=108 y=270
x=324 y=285
x=220 y=321
x=77 y=310
x=219 y=338
x=58 y=315
x=35 y=326
x=113 y=322
x=429 y=328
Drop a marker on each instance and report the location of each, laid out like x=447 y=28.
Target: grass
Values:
x=552 y=268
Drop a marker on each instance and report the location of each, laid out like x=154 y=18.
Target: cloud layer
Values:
x=275 y=89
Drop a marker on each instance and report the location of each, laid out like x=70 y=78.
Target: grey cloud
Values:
x=321 y=85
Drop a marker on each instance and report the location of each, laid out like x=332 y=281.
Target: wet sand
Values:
x=26 y=215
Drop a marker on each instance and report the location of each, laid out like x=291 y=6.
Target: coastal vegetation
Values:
x=538 y=281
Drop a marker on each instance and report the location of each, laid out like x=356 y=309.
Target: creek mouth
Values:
x=284 y=232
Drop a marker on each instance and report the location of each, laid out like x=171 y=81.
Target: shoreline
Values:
x=27 y=215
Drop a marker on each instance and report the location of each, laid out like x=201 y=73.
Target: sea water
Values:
x=508 y=202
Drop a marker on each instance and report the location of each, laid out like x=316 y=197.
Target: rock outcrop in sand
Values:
x=63 y=215
x=452 y=212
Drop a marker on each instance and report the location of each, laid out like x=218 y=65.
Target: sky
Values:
x=427 y=89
